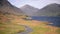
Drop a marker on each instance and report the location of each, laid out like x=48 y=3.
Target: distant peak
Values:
x=54 y=4
x=27 y=5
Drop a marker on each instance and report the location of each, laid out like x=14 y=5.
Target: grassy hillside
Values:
x=8 y=27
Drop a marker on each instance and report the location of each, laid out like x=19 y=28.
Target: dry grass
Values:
x=8 y=27
x=39 y=27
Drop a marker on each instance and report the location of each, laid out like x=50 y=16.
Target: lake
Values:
x=54 y=20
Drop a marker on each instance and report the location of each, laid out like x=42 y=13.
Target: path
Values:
x=27 y=30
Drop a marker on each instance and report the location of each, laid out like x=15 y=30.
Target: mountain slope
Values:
x=49 y=10
x=29 y=10
x=5 y=6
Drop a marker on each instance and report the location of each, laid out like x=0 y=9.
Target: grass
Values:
x=58 y=31
x=39 y=30
x=10 y=28
x=39 y=27
x=12 y=25
x=7 y=27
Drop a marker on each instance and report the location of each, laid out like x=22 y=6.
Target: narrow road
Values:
x=27 y=30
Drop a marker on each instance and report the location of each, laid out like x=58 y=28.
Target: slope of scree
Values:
x=5 y=6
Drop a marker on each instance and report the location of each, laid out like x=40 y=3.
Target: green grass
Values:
x=10 y=28
x=39 y=30
x=58 y=31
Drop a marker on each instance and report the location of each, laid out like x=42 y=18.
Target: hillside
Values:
x=5 y=6
x=29 y=10
x=49 y=10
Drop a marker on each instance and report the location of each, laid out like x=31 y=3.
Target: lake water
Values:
x=54 y=20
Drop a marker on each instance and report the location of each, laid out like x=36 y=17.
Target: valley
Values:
x=15 y=20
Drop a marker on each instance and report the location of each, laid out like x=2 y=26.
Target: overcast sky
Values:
x=35 y=3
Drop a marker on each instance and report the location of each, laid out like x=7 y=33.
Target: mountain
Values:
x=49 y=10
x=5 y=6
x=29 y=10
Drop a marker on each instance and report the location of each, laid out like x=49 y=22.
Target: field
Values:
x=11 y=24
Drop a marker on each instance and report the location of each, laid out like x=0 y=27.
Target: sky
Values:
x=35 y=3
